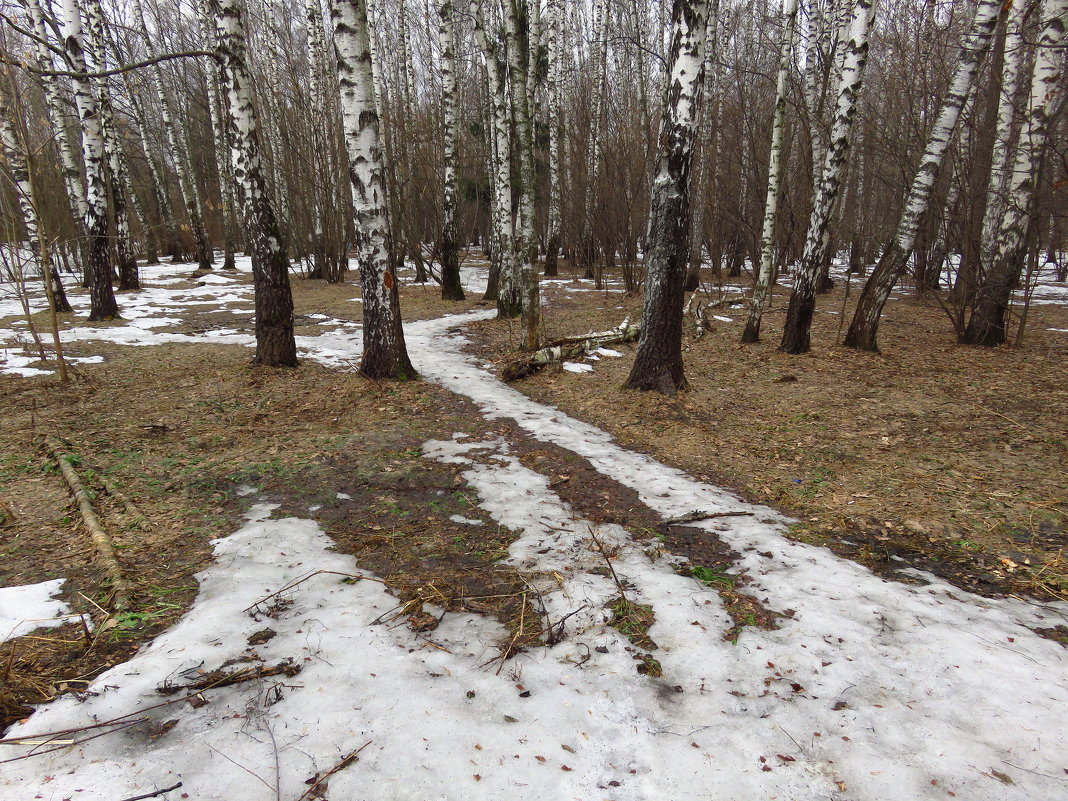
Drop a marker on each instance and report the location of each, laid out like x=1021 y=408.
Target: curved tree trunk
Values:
x=658 y=364
x=802 y=306
x=384 y=351
x=275 y=345
x=974 y=46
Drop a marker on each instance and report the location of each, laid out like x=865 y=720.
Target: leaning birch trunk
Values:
x=525 y=244
x=987 y=325
x=552 y=239
x=658 y=364
x=117 y=174
x=384 y=351
x=275 y=345
x=509 y=298
x=450 y=250
x=101 y=293
x=179 y=155
x=1008 y=117
x=892 y=264
x=817 y=241
x=766 y=274
x=19 y=172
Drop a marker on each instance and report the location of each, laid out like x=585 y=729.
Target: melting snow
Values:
x=31 y=606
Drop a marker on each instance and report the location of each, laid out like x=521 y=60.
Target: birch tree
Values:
x=117 y=173
x=894 y=260
x=14 y=151
x=554 y=13
x=275 y=345
x=384 y=352
x=817 y=241
x=450 y=255
x=658 y=363
x=101 y=293
x=987 y=325
x=766 y=274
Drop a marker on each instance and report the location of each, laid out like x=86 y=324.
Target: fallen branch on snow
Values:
x=568 y=348
x=156 y=794
x=316 y=781
x=693 y=517
x=220 y=678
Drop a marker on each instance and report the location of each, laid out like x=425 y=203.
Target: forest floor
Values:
x=930 y=456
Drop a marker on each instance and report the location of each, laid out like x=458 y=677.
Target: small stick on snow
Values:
x=344 y=763
x=156 y=794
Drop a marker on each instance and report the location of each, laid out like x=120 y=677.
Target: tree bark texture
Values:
x=817 y=241
x=384 y=351
x=275 y=345
x=450 y=248
x=658 y=363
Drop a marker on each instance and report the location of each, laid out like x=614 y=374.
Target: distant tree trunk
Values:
x=599 y=61
x=14 y=151
x=384 y=351
x=101 y=293
x=817 y=242
x=183 y=168
x=552 y=241
x=451 y=288
x=894 y=261
x=217 y=113
x=658 y=364
x=987 y=325
x=275 y=345
x=509 y=294
x=766 y=273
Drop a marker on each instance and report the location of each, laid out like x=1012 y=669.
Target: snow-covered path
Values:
x=872 y=690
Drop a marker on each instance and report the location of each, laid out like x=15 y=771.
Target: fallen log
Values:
x=105 y=548
x=568 y=348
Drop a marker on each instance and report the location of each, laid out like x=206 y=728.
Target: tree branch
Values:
x=148 y=62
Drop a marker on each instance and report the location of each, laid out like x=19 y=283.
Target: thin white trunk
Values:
x=450 y=262
x=766 y=275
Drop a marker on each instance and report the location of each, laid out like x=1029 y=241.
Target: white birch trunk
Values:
x=275 y=345
x=894 y=260
x=817 y=240
x=1007 y=119
x=552 y=243
x=766 y=274
x=384 y=354
x=525 y=243
x=450 y=259
x=987 y=325
x=102 y=295
x=68 y=149
x=117 y=173
x=509 y=298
